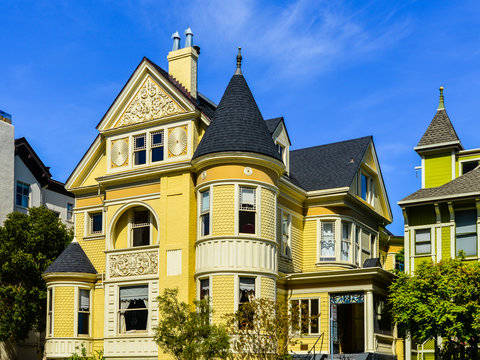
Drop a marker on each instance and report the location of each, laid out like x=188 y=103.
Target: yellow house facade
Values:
x=176 y=191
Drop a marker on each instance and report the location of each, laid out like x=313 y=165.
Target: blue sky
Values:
x=335 y=70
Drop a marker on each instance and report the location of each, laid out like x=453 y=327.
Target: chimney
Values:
x=5 y=117
x=182 y=63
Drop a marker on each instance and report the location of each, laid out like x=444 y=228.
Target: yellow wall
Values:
x=79 y=225
x=97 y=313
x=223 y=212
x=438 y=169
x=268 y=288
x=94 y=250
x=63 y=311
x=446 y=242
x=268 y=208
x=225 y=172
x=99 y=170
x=310 y=246
x=222 y=297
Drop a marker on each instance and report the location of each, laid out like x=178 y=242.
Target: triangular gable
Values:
x=370 y=162
x=147 y=95
x=280 y=133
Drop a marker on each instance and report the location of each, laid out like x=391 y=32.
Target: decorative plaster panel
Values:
x=64 y=348
x=149 y=103
x=133 y=264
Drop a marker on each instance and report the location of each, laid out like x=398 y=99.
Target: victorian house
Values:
x=176 y=191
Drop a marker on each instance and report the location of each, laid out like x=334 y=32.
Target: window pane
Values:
x=327 y=244
x=246 y=289
x=314 y=328
x=422 y=248
x=346 y=231
x=97 y=223
x=141 y=236
x=467 y=243
x=83 y=323
x=140 y=157
x=247 y=198
x=205 y=201
x=141 y=217
x=157 y=154
x=157 y=138
x=84 y=300
x=466 y=221
x=136 y=319
x=469 y=166
x=295 y=314
x=246 y=222
x=364 y=187
x=205 y=224
x=304 y=316
x=204 y=288
x=345 y=251
x=139 y=142
x=422 y=235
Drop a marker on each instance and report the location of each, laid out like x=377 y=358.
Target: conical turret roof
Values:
x=237 y=124
x=72 y=259
x=440 y=131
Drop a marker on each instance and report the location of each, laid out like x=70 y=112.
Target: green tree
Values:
x=440 y=300
x=265 y=329
x=28 y=245
x=186 y=332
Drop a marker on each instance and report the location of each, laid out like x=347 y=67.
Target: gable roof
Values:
x=439 y=132
x=465 y=185
x=202 y=103
x=36 y=166
x=72 y=259
x=237 y=124
x=272 y=124
x=328 y=166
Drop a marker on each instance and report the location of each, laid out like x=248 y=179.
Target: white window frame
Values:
x=50 y=311
x=119 y=315
x=69 y=216
x=133 y=226
x=26 y=185
x=154 y=146
x=90 y=223
x=370 y=187
x=201 y=214
x=255 y=210
x=461 y=162
x=78 y=311
x=424 y=230
x=288 y=234
x=299 y=324
x=320 y=240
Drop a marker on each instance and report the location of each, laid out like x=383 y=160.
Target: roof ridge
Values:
x=333 y=143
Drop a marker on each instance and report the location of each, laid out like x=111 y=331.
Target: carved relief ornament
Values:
x=149 y=103
x=133 y=264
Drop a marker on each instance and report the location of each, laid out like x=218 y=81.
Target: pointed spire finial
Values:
x=441 y=104
x=176 y=41
x=239 y=62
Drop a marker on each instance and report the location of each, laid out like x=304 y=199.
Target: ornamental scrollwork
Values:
x=134 y=264
x=149 y=103
x=348 y=298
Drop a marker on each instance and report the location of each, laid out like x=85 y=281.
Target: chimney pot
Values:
x=189 y=37
x=176 y=41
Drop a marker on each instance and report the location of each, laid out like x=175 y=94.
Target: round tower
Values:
x=237 y=170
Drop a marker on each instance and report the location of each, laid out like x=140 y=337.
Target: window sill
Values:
x=346 y=265
x=286 y=258
x=94 y=237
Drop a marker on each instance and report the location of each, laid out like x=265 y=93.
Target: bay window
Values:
x=133 y=309
x=327 y=241
x=83 y=311
x=346 y=241
x=466 y=232
x=247 y=210
x=205 y=213
x=286 y=232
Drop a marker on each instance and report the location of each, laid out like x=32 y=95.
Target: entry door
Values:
x=350 y=325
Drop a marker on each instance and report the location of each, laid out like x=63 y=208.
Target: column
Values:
x=369 y=327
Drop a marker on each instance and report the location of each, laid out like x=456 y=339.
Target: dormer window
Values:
x=367 y=188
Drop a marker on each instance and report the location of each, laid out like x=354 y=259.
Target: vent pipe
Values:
x=188 y=37
x=176 y=41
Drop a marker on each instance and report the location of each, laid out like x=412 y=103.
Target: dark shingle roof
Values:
x=72 y=259
x=273 y=123
x=328 y=166
x=237 y=124
x=465 y=184
x=439 y=131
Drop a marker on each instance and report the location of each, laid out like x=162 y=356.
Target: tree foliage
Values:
x=262 y=329
x=440 y=300
x=28 y=245
x=185 y=331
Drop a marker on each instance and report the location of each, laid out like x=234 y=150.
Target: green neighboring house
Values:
x=442 y=217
